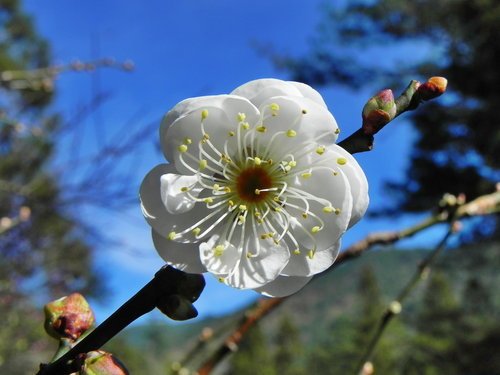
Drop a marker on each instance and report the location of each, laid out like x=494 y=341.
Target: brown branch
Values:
x=483 y=205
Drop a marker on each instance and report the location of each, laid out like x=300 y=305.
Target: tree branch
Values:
x=170 y=290
x=483 y=205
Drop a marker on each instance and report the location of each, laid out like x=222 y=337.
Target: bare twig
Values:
x=395 y=306
x=483 y=205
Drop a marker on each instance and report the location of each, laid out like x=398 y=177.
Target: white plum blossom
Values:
x=255 y=191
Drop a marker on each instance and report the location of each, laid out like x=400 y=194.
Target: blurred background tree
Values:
x=457 y=138
x=37 y=233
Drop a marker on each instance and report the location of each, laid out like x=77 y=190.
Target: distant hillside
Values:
x=328 y=301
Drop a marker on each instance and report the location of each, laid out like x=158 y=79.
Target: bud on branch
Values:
x=383 y=108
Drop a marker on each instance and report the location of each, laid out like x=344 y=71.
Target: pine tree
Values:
x=289 y=349
x=253 y=355
x=435 y=325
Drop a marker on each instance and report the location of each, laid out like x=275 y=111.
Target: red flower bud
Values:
x=433 y=88
x=378 y=111
x=68 y=317
x=102 y=363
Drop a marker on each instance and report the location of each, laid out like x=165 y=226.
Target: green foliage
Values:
x=289 y=350
x=253 y=356
x=449 y=325
x=458 y=137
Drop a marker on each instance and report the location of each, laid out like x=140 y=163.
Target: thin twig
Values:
x=395 y=306
x=483 y=205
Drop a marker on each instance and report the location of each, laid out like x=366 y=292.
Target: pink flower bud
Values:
x=433 y=88
x=102 y=363
x=68 y=317
x=378 y=111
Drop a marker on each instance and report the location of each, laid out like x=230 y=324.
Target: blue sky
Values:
x=182 y=49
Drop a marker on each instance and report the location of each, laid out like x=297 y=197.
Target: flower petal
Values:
x=284 y=286
x=219 y=261
x=257 y=269
x=311 y=264
x=154 y=210
x=260 y=90
x=309 y=120
x=308 y=92
x=325 y=185
x=357 y=182
x=184 y=122
x=184 y=257
x=175 y=200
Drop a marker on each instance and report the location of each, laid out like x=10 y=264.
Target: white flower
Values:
x=256 y=191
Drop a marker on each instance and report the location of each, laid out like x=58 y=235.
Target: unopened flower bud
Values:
x=378 y=111
x=433 y=88
x=101 y=363
x=68 y=317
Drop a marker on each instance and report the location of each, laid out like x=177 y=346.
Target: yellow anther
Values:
x=231 y=133
x=288 y=168
x=276 y=242
x=249 y=255
x=208 y=200
x=245 y=125
x=276 y=199
x=196 y=231
x=305 y=215
x=261 y=129
x=341 y=161
x=337 y=131
x=172 y=235
x=274 y=107
x=310 y=254
x=257 y=214
x=204 y=114
x=188 y=141
x=270 y=161
x=203 y=164
x=227 y=189
x=304 y=111
x=291 y=133
x=296 y=252
x=184 y=189
x=242 y=207
x=260 y=221
x=328 y=210
x=263 y=236
x=277 y=209
x=220 y=279
x=335 y=173
x=218 y=250
x=206 y=137
x=315 y=229
x=241 y=219
x=241 y=117
x=182 y=148
x=292 y=163
x=306 y=175
x=337 y=211
x=320 y=150
x=257 y=192
x=216 y=187
x=257 y=160
x=230 y=203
